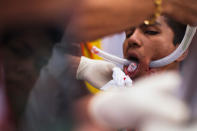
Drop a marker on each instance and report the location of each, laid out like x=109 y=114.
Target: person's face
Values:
x=147 y=43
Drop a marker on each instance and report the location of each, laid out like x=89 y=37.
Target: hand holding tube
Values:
x=96 y=72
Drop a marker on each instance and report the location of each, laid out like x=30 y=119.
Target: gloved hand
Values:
x=151 y=97
x=120 y=80
x=96 y=72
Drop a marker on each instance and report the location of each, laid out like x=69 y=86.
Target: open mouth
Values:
x=133 y=58
x=133 y=65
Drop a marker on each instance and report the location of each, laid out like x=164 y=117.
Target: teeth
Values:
x=132 y=67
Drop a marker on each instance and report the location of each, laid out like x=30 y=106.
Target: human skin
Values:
x=34 y=12
x=174 y=9
x=91 y=12
x=91 y=19
x=148 y=43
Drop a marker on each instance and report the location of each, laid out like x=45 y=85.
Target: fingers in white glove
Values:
x=128 y=82
x=120 y=80
x=96 y=72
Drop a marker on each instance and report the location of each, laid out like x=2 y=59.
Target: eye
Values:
x=129 y=32
x=151 y=32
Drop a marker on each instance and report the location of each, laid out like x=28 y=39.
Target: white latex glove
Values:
x=151 y=97
x=96 y=72
x=120 y=80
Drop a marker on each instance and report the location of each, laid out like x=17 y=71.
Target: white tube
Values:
x=190 y=31
x=110 y=57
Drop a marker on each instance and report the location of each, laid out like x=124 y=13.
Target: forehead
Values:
x=160 y=22
x=160 y=25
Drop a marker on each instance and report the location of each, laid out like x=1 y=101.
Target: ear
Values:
x=183 y=56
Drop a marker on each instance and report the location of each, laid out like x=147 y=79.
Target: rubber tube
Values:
x=190 y=32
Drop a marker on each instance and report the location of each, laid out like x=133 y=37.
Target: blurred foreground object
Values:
x=35 y=12
x=167 y=126
x=149 y=98
x=188 y=92
x=90 y=19
x=184 y=11
x=6 y=119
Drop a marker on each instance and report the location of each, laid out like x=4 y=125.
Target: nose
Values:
x=134 y=40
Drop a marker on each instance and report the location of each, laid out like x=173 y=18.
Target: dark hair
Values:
x=178 y=29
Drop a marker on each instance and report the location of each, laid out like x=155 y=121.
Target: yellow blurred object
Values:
x=86 y=51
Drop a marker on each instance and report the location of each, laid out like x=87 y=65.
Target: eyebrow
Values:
x=155 y=24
